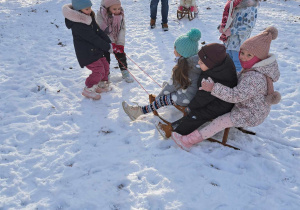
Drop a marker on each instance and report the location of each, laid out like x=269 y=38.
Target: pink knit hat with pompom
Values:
x=259 y=45
x=108 y=3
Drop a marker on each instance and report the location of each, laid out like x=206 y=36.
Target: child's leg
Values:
x=216 y=126
x=122 y=61
x=164 y=100
x=98 y=73
x=234 y=55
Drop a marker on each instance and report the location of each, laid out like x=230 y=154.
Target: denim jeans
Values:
x=234 y=55
x=164 y=10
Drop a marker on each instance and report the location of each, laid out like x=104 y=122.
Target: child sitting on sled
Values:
x=90 y=44
x=182 y=86
x=253 y=96
x=111 y=20
x=218 y=65
x=190 y=5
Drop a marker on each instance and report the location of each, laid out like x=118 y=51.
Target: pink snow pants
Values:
x=100 y=71
x=216 y=126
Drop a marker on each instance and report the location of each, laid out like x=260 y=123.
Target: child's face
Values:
x=245 y=55
x=176 y=53
x=87 y=10
x=202 y=65
x=115 y=9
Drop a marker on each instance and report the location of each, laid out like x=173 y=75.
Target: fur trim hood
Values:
x=263 y=67
x=76 y=16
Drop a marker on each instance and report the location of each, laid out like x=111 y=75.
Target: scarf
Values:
x=227 y=17
x=112 y=23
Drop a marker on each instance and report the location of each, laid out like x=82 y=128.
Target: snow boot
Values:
x=165 y=26
x=133 y=112
x=126 y=76
x=103 y=87
x=152 y=23
x=91 y=93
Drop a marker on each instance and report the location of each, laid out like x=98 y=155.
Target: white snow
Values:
x=59 y=150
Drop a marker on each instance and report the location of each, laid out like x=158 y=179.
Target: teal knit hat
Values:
x=187 y=45
x=81 y=4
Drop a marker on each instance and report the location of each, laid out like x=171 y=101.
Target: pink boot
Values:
x=90 y=93
x=103 y=87
x=186 y=142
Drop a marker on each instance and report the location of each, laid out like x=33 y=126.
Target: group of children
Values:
x=230 y=84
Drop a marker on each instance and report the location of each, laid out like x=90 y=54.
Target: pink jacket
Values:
x=249 y=95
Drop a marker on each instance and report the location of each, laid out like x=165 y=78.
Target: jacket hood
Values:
x=268 y=67
x=75 y=16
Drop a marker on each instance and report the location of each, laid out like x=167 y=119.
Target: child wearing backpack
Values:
x=111 y=20
x=216 y=64
x=238 y=21
x=90 y=44
x=253 y=96
x=182 y=86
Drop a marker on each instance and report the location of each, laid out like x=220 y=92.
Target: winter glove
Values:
x=120 y=48
x=207 y=85
x=115 y=48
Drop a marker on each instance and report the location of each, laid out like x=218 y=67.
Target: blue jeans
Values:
x=164 y=10
x=234 y=55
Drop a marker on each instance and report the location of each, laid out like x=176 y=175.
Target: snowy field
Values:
x=59 y=150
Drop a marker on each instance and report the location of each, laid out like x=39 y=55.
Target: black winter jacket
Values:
x=90 y=42
x=204 y=106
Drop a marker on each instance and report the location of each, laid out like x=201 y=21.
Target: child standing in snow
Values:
x=90 y=44
x=253 y=95
x=239 y=18
x=215 y=64
x=111 y=20
x=183 y=84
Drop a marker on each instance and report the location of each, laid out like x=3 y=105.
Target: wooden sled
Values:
x=226 y=130
x=185 y=11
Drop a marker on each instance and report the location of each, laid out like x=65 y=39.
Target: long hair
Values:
x=181 y=73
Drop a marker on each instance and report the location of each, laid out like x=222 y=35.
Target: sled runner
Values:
x=185 y=11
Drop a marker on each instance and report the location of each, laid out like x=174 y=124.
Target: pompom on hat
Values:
x=259 y=45
x=109 y=3
x=81 y=4
x=187 y=45
x=212 y=55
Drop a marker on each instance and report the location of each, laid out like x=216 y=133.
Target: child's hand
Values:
x=207 y=85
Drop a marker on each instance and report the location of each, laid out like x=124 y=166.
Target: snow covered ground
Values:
x=59 y=150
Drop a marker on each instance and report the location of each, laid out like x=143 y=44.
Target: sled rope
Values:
x=142 y=70
x=132 y=75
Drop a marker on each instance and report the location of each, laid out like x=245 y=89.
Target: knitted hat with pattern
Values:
x=108 y=3
x=259 y=45
x=187 y=45
x=212 y=55
x=81 y=4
